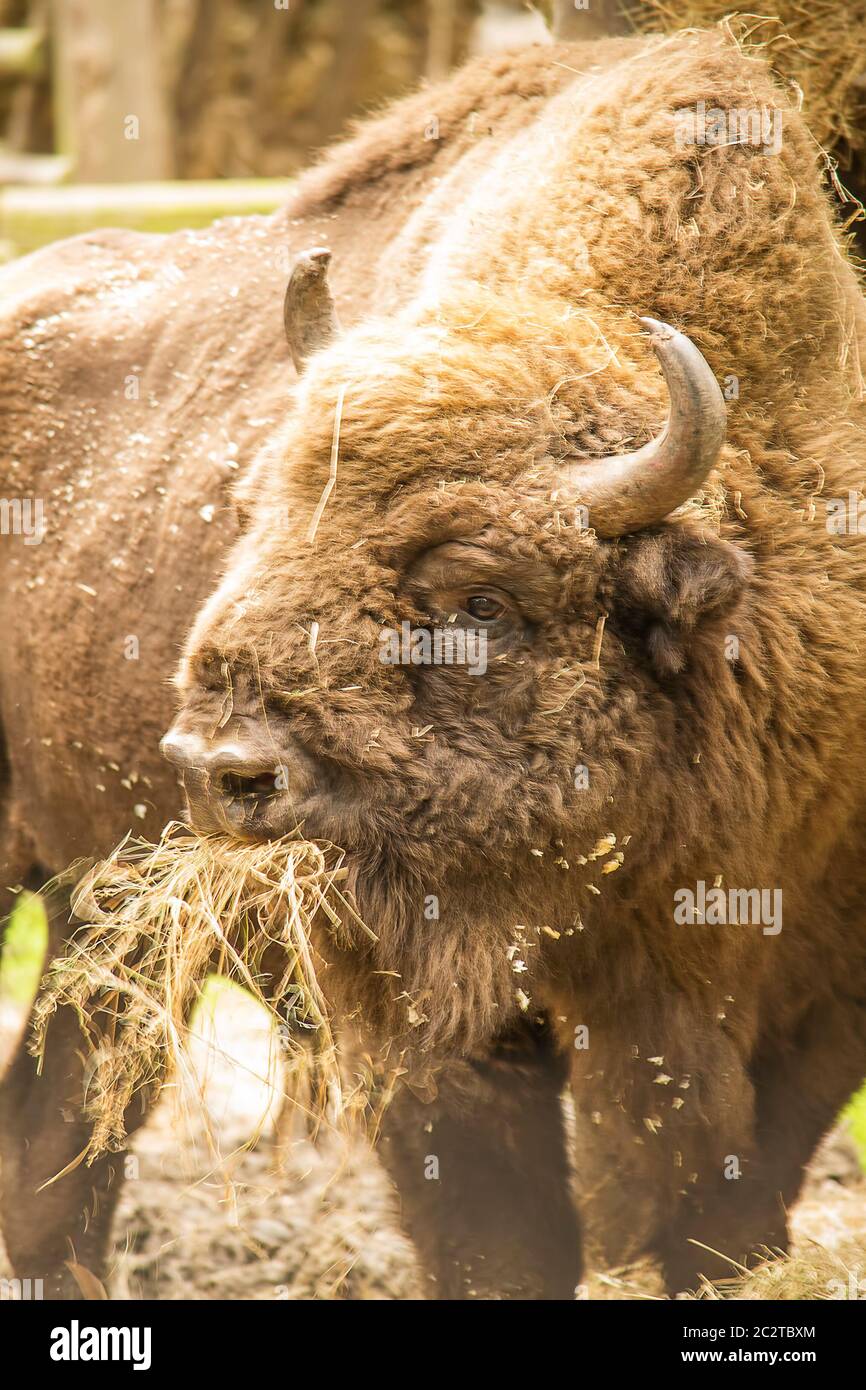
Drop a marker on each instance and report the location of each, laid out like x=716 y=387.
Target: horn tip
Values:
x=318 y=258
x=657 y=329
x=310 y=266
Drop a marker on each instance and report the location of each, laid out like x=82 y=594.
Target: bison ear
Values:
x=670 y=583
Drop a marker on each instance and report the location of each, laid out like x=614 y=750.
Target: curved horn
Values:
x=308 y=309
x=627 y=492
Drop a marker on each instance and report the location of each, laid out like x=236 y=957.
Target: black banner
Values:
x=59 y=1340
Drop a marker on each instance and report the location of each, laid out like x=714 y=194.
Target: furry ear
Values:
x=670 y=582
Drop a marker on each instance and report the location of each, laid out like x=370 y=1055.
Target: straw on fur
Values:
x=819 y=47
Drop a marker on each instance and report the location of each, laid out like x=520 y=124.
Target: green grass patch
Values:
x=855 y=1115
x=215 y=989
x=23 y=955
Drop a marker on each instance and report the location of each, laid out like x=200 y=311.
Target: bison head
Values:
x=457 y=625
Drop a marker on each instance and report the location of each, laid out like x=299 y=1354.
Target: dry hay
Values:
x=819 y=47
x=160 y=919
x=814 y=1272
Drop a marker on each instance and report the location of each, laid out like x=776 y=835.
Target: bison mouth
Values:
x=257 y=808
x=238 y=786
x=250 y=806
x=429 y=985
x=263 y=794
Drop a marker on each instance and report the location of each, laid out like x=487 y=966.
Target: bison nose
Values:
x=231 y=767
x=240 y=781
x=183 y=750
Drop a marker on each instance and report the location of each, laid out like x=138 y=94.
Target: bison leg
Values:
x=666 y=1158
x=723 y=1226
x=799 y=1091
x=483 y=1175
x=42 y=1132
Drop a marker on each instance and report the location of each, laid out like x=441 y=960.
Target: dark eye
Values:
x=484 y=608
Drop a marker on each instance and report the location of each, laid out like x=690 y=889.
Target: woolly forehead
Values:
x=358 y=567
x=434 y=545
x=479 y=390
x=353 y=554
x=408 y=435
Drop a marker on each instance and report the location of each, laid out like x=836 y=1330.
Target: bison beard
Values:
x=672 y=692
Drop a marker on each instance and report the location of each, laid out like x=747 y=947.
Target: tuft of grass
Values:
x=815 y=1273
x=855 y=1116
x=25 y=941
x=22 y=957
x=160 y=920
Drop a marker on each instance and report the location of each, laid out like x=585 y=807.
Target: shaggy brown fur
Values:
x=819 y=49
x=491 y=282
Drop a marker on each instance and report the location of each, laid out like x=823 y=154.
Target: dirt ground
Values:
x=228 y=1198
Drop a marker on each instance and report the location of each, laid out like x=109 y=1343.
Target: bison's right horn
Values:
x=308 y=309
x=627 y=492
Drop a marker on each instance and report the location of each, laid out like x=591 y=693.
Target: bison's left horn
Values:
x=630 y=491
x=308 y=309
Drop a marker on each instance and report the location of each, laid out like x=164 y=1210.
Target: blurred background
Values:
x=222 y=88
x=97 y=92
x=158 y=114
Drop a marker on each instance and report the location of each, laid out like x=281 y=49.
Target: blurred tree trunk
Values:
x=111 y=115
x=442 y=26
x=257 y=89
x=25 y=105
x=247 y=87
x=587 y=19
x=339 y=94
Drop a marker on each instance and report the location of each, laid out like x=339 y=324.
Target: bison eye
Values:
x=484 y=608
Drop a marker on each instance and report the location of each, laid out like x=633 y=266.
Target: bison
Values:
x=579 y=389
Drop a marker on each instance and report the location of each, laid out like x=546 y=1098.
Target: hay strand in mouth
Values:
x=159 y=918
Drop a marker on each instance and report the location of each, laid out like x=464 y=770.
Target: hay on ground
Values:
x=814 y=1272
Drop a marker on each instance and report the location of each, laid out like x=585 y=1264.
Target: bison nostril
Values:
x=184 y=750
x=258 y=784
